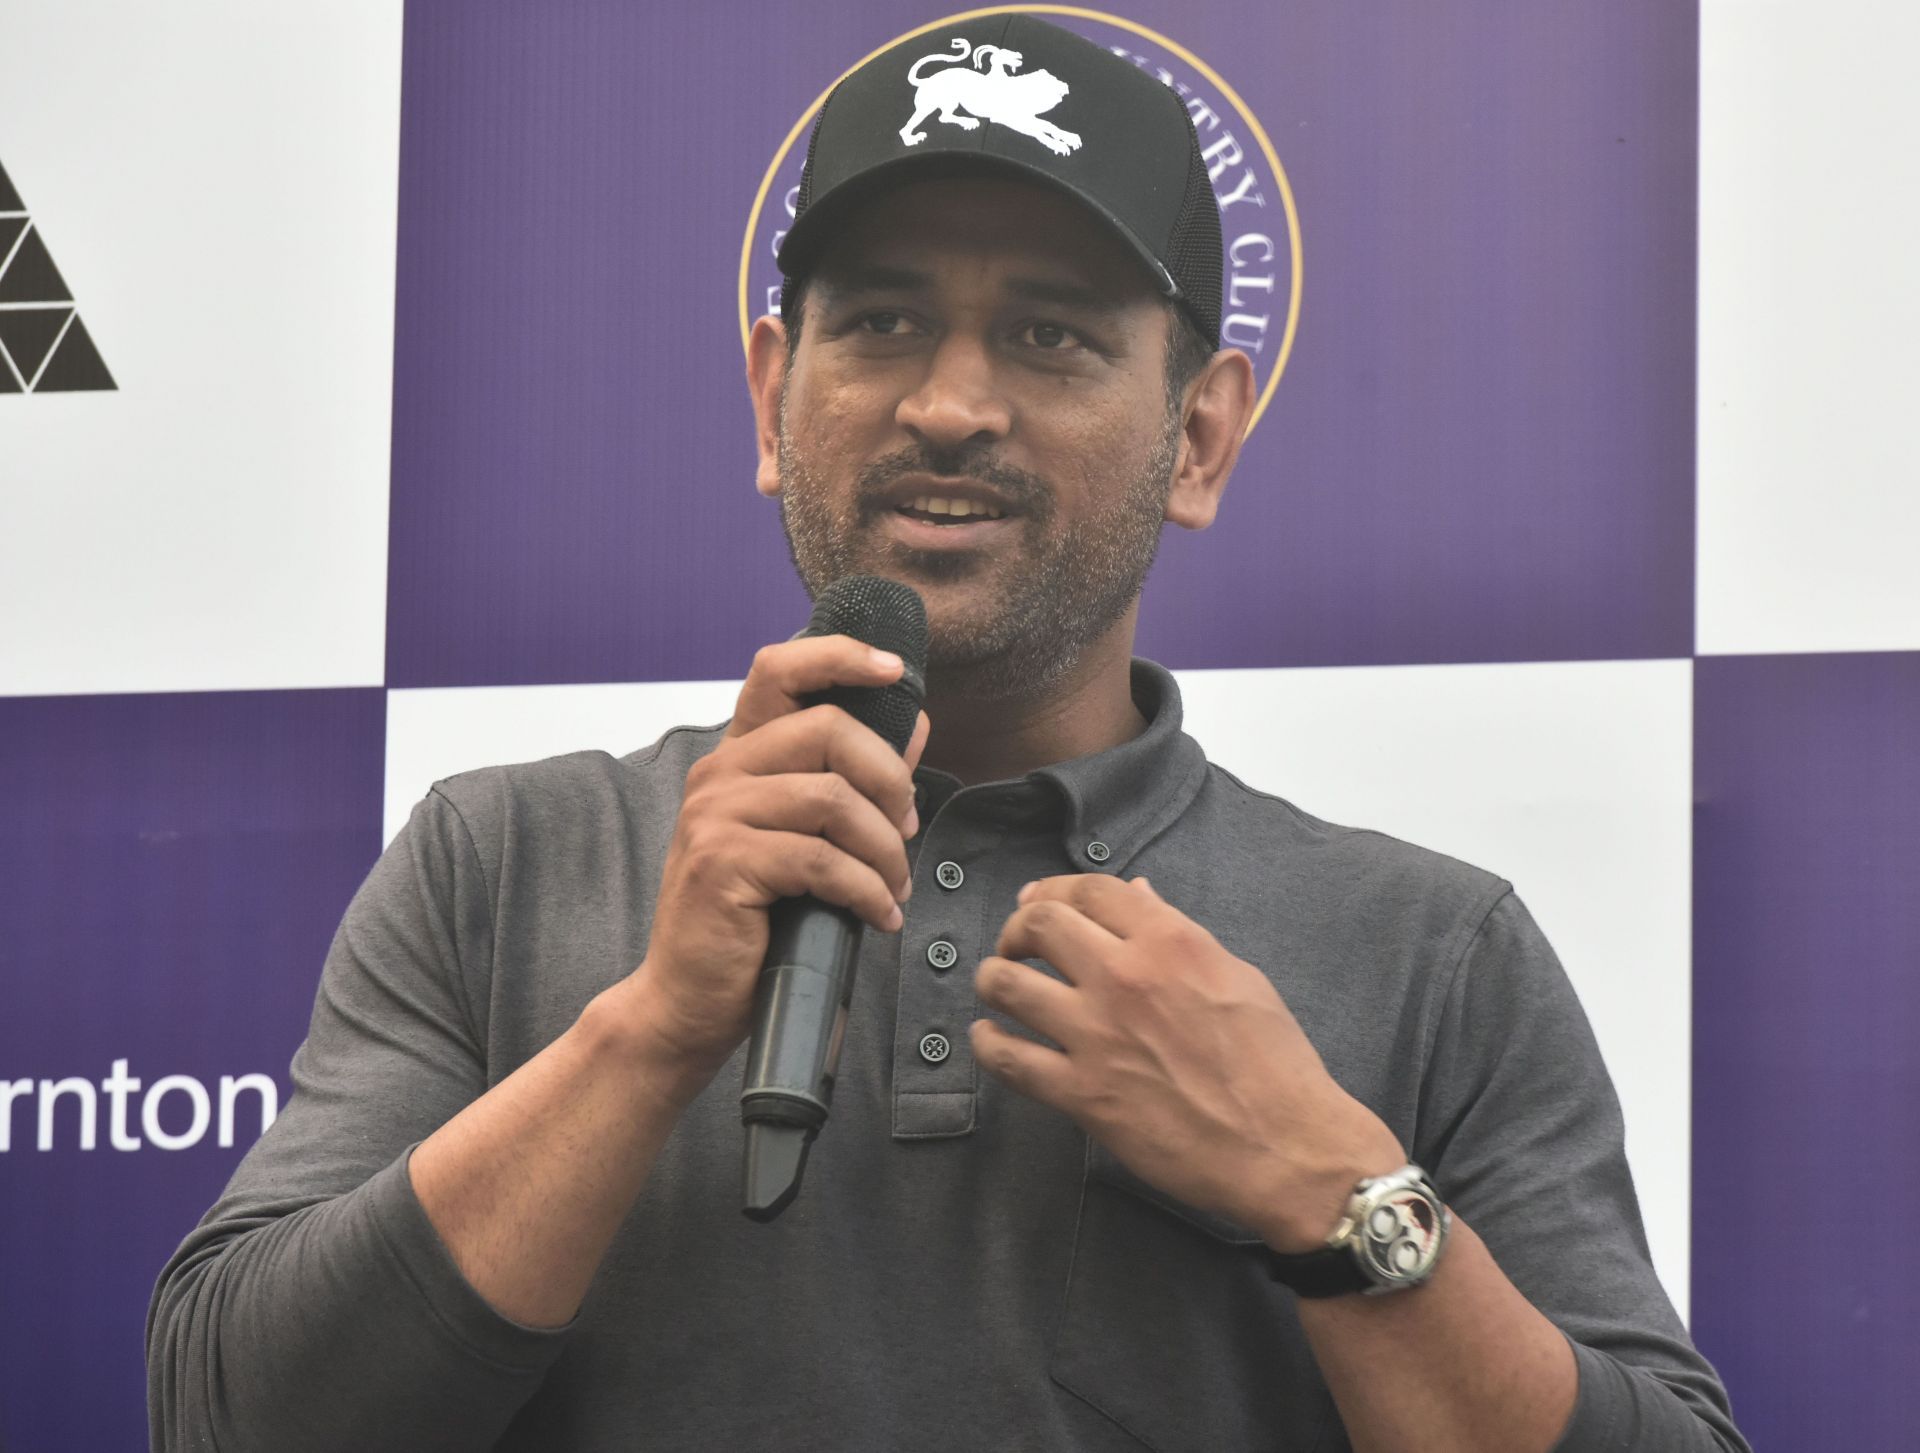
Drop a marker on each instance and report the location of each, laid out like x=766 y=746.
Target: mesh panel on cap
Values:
x=805 y=196
x=1193 y=252
x=806 y=170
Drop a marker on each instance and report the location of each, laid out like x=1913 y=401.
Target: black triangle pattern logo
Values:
x=44 y=347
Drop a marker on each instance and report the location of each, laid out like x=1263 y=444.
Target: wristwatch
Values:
x=1389 y=1239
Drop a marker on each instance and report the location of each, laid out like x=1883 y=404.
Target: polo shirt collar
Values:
x=1128 y=795
x=1116 y=802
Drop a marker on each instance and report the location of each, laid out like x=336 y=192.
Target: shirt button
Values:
x=1099 y=851
x=942 y=954
x=949 y=875
x=934 y=1048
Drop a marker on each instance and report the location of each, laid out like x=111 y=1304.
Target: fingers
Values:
x=922 y=729
x=790 y=864
x=827 y=805
x=1022 y=992
x=1034 y=1070
x=782 y=675
x=1119 y=907
x=1079 y=913
x=794 y=800
x=804 y=798
x=772 y=731
x=1056 y=933
x=826 y=739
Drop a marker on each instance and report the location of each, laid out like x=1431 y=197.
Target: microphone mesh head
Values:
x=891 y=616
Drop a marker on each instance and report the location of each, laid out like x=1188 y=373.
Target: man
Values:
x=1236 y=1065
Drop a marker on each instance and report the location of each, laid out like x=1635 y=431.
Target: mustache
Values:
x=1028 y=493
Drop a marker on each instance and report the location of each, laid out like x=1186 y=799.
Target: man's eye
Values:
x=884 y=323
x=1051 y=337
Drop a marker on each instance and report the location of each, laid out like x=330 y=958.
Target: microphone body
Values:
x=806 y=984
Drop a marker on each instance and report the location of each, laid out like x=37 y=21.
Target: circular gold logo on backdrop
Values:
x=1259 y=225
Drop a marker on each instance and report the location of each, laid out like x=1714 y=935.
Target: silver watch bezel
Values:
x=1372 y=1254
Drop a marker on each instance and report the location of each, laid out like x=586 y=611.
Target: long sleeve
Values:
x=1521 y=1129
x=315 y=1308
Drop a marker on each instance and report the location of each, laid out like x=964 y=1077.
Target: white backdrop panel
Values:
x=1809 y=304
x=217 y=182
x=1571 y=780
x=434 y=732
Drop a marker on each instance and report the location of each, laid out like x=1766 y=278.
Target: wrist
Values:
x=1307 y=1197
x=620 y=1029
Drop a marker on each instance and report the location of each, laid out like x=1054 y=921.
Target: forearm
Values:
x=338 y=1326
x=1567 y=1342
x=527 y=1185
x=411 y=1311
x=1462 y=1363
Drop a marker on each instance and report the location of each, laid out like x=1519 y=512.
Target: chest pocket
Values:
x=1173 y=1329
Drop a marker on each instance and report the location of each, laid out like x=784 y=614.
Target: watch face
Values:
x=1401 y=1236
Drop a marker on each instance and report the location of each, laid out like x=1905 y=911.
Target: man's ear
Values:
x=766 y=374
x=1218 y=406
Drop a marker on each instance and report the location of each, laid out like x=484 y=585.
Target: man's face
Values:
x=983 y=339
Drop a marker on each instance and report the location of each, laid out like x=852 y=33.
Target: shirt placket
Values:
x=972 y=857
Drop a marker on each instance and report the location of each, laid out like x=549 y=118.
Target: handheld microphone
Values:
x=800 y=1003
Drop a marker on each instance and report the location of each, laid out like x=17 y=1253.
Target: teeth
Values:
x=934 y=504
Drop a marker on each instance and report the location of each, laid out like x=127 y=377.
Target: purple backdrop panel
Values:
x=172 y=869
x=1480 y=449
x=1806 y=1081
x=573 y=449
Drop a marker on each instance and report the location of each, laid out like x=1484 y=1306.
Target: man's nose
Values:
x=959 y=399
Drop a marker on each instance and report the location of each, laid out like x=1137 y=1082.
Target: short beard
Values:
x=1078 y=584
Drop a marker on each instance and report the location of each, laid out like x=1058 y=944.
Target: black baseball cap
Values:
x=1014 y=94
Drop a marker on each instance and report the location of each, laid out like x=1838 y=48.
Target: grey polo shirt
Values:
x=963 y=1269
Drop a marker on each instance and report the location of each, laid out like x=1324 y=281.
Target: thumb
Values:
x=922 y=729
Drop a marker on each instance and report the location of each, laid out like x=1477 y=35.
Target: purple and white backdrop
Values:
x=371 y=409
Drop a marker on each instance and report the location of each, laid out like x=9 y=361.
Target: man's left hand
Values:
x=1178 y=1057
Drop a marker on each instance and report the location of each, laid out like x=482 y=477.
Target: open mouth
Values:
x=935 y=510
x=924 y=529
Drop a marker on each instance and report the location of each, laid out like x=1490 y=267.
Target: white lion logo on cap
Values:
x=994 y=95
